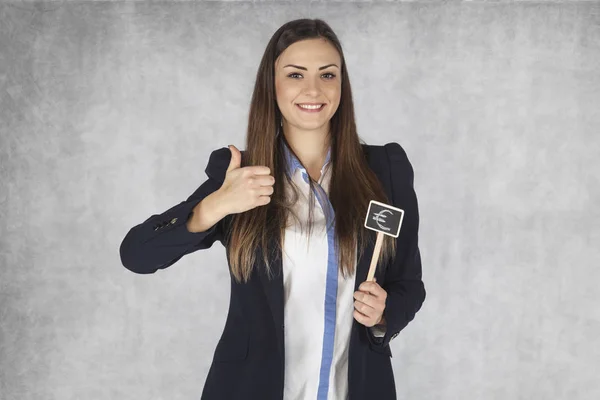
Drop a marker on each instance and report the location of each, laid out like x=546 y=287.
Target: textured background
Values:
x=104 y=104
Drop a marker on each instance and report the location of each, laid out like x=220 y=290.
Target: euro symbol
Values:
x=380 y=217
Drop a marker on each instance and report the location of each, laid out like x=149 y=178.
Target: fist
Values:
x=369 y=304
x=245 y=188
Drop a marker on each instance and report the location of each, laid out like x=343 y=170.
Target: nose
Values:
x=312 y=87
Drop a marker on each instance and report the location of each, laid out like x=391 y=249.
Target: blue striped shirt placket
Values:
x=331 y=287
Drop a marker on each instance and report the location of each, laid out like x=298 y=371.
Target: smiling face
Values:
x=308 y=72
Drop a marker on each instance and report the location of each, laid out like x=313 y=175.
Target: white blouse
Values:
x=318 y=301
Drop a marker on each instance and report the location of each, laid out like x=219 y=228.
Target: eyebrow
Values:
x=304 y=68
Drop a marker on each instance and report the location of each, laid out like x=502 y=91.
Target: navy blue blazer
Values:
x=248 y=361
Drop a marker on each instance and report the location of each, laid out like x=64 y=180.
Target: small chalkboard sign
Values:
x=385 y=220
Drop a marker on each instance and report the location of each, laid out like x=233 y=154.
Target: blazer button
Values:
x=173 y=221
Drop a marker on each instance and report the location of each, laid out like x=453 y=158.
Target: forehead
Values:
x=310 y=53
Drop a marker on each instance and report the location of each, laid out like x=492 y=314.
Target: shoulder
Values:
x=218 y=161
x=393 y=153
x=392 y=150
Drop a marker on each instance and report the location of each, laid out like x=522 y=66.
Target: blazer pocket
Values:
x=232 y=347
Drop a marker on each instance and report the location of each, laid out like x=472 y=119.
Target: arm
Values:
x=192 y=225
x=405 y=289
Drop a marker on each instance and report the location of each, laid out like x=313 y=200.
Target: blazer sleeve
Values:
x=163 y=239
x=403 y=278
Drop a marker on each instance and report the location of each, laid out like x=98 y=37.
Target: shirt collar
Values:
x=292 y=163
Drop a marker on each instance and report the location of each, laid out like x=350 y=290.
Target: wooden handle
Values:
x=375 y=257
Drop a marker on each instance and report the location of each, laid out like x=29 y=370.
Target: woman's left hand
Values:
x=369 y=304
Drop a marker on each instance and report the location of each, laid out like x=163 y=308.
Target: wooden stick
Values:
x=375 y=257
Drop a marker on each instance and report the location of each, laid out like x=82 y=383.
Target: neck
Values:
x=310 y=147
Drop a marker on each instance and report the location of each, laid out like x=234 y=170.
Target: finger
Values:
x=264 y=199
x=236 y=158
x=365 y=309
x=265 y=190
x=363 y=319
x=368 y=286
x=264 y=180
x=371 y=287
x=259 y=170
x=369 y=300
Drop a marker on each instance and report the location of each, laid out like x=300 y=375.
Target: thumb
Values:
x=236 y=158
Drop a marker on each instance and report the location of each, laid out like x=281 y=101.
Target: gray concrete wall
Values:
x=104 y=105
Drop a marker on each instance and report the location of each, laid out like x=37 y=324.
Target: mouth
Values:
x=311 y=108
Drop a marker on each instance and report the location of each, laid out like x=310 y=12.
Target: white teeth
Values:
x=310 y=107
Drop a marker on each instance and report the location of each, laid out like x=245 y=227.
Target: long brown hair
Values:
x=353 y=184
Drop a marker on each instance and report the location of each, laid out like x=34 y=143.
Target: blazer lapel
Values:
x=273 y=289
x=363 y=263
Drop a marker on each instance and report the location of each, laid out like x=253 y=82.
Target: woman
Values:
x=303 y=322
